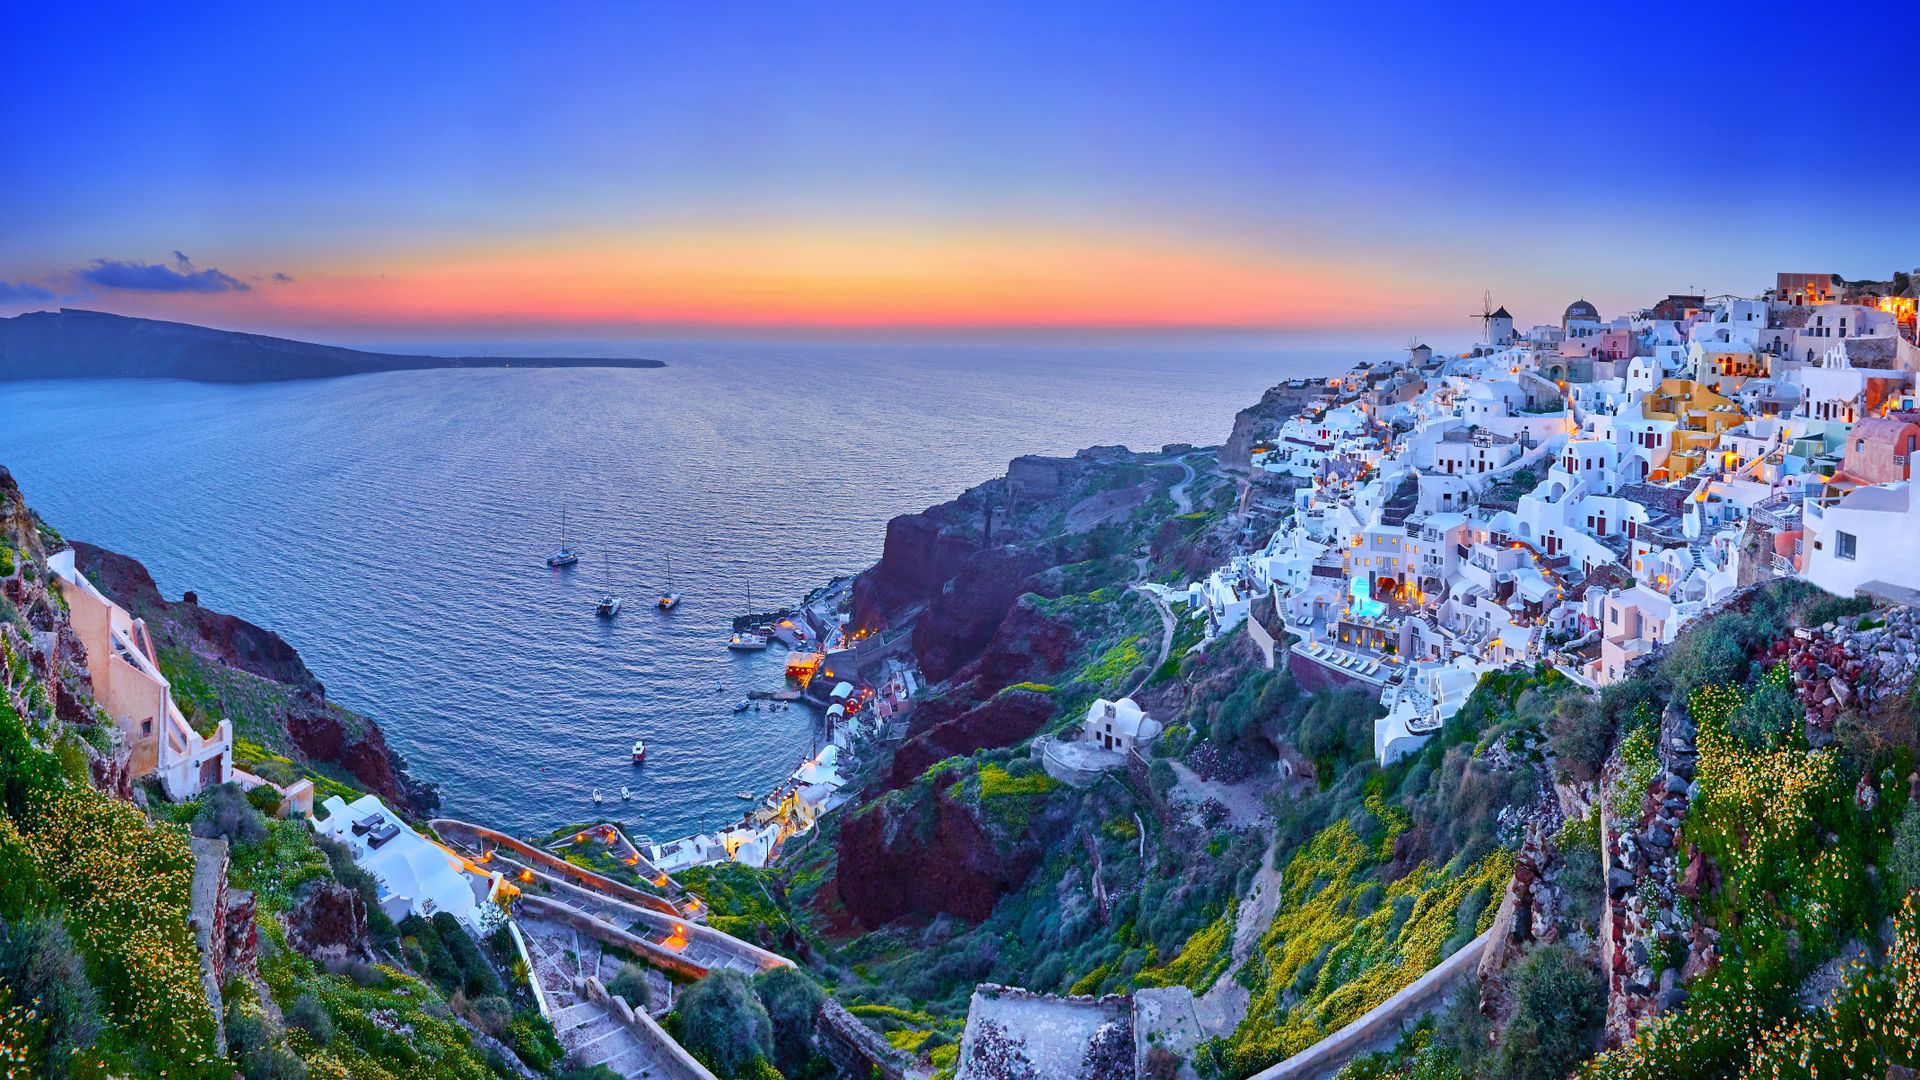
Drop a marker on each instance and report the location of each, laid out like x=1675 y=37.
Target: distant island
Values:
x=75 y=344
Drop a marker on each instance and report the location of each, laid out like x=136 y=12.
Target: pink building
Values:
x=1880 y=450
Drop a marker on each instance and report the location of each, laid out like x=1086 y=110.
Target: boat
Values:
x=597 y=797
x=669 y=599
x=609 y=605
x=742 y=705
x=748 y=795
x=566 y=554
x=624 y=793
x=752 y=639
x=639 y=751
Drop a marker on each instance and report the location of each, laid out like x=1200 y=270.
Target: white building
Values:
x=416 y=876
x=1870 y=534
x=1120 y=726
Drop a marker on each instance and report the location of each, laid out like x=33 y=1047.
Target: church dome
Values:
x=1580 y=309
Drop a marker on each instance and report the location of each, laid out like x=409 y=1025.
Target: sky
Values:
x=424 y=171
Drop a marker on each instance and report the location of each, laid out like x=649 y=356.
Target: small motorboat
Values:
x=669 y=601
x=742 y=705
x=597 y=797
x=639 y=751
x=748 y=795
x=625 y=794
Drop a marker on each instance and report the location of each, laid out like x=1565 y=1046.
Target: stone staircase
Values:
x=588 y=1029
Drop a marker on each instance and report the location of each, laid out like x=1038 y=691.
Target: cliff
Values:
x=225 y=666
x=74 y=344
x=1262 y=420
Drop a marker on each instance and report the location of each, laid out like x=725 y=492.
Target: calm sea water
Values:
x=393 y=528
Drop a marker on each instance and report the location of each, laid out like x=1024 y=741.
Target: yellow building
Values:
x=1699 y=416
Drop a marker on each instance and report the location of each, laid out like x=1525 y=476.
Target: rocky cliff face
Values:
x=925 y=852
x=257 y=679
x=950 y=727
x=1261 y=421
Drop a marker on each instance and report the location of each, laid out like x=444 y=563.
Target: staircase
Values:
x=587 y=1029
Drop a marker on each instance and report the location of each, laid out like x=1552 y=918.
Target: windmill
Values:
x=1485 y=315
x=1412 y=346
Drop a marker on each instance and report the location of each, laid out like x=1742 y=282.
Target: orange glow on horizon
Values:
x=857 y=278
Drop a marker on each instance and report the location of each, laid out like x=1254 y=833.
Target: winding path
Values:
x=1179 y=490
x=1166 y=637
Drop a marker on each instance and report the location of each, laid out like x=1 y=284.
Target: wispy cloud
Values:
x=15 y=292
x=282 y=279
x=180 y=277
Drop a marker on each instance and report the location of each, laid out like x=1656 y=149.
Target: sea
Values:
x=394 y=529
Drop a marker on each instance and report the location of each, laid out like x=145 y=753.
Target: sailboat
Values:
x=669 y=599
x=748 y=640
x=565 y=554
x=609 y=605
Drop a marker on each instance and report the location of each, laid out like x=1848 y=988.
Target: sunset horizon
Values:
x=650 y=173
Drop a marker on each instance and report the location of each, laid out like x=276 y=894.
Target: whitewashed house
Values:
x=1121 y=726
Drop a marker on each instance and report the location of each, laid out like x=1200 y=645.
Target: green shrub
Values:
x=492 y=1014
x=265 y=798
x=310 y=1016
x=226 y=813
x=42 y=964
x=1559 y=1002
x=793 y=1002
x=724 y=1025
x=631 y=983
x=1904 y=862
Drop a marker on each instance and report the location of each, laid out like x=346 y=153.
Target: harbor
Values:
x=859 y=696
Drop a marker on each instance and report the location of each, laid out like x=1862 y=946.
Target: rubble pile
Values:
x=1839 y=666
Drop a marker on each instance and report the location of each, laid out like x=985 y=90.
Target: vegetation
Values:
x=723 y=1024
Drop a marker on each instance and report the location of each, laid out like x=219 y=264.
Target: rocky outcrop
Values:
x=297 y=707
x=951 y=728
x=1838 y=668
x=329 y=923
x=1262 y=421
x=921 y=851
x=227 y=639
x=1645 y=871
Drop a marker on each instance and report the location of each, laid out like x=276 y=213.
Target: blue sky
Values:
x=424 y=168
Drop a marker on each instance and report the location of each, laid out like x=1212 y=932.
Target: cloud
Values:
x=181 y=277
x=15 y=292
x=282 y=279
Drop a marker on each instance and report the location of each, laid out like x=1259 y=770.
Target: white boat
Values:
x=742 y=705
x=752 y=639
x=639 y=751
x=597 y=797
x=669 y=599
x=566 y=554
x=624 y=793
x=748 y=795
x=609 y=605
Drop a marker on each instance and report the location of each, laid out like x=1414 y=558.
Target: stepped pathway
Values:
x=590 y=1030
